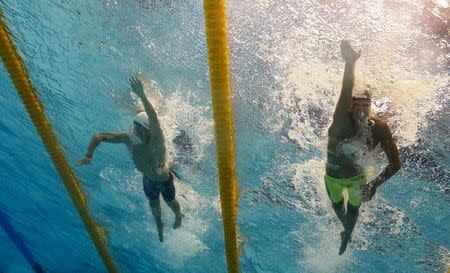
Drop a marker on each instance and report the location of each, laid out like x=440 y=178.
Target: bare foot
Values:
x=345 y=238
x=178 y=219
x=37 y=268
x=348 y=53
x=160 y=227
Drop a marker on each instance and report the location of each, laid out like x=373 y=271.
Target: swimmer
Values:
x=145 y=142
x=352 y=132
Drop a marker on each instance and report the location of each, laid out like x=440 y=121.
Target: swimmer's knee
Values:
x=352 y=209
x=154 y=203
x=337 y=205
x=338 y=208
x=172 y=202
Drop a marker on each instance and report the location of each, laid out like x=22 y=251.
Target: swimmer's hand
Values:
x=368 y=191
x=137 y=87
x=86 y=160
x=348 y=53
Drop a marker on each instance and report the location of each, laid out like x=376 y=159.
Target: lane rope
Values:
x=216 y=36
x=19 y=75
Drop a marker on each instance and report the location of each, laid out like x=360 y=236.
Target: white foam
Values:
x=314 y=260
x=398 y=62
x=324 y=241
x=177 y=111
x=182 y=245
x=185 y=242
x=137 y=221
x=309 y=185
x=444 y=257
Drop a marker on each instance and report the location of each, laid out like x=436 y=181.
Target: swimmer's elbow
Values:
x=98 y=137
x=395 y=166
x=399 y=165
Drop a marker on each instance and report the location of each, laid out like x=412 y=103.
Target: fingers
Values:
x=135 y=81
x=365 y=196
x=84 y=161
x=367 y=193
x=344 y=43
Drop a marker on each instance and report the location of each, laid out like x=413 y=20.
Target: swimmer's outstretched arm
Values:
x=341 y=119
x=98 y=138
x=138 y=89
x=390 y=149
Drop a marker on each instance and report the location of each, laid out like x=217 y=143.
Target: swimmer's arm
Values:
x=345 y=99
x=138 y=89
x=341 y=113
x=106 y=137
x=391 y=151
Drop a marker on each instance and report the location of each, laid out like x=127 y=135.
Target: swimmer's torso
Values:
x=346 y=151
x=150 y=159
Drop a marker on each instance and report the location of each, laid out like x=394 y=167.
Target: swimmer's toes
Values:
x=345 y=238
x=160 y=232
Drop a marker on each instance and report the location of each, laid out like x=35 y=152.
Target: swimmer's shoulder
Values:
x=380 y=128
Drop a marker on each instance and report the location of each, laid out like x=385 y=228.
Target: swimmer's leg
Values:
x=334 y=191
x=37 y=268
x=168 y=193
x=175 y=206
x=339 y=210
x=156 y=211
x=349 y=222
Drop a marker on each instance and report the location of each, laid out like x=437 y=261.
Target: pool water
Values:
x=286 y=74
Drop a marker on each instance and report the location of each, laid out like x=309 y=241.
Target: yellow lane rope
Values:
x=216 y=36
x=16 y=69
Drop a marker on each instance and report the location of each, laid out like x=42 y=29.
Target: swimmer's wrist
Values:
x=378 y=181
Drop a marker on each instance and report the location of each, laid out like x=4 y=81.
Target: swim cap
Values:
x=142 y=119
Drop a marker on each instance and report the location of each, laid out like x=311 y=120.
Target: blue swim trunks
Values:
x=153 y=189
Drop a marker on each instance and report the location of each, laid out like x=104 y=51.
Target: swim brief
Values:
x=336 y=186
x=153 y=189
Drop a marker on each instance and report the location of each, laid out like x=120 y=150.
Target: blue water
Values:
x=286 y=72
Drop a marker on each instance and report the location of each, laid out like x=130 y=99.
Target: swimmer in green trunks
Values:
x=145 y=141
x=352 y=133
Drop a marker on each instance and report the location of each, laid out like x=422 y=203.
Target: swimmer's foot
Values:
x=37 y=268
x=178 y=220
x=348 y=53
x=345 y=238
x=160 y=227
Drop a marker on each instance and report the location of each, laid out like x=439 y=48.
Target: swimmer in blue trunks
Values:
x=352 y=133
x=145 y=141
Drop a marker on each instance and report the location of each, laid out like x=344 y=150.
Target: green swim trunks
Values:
x=336 y=186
